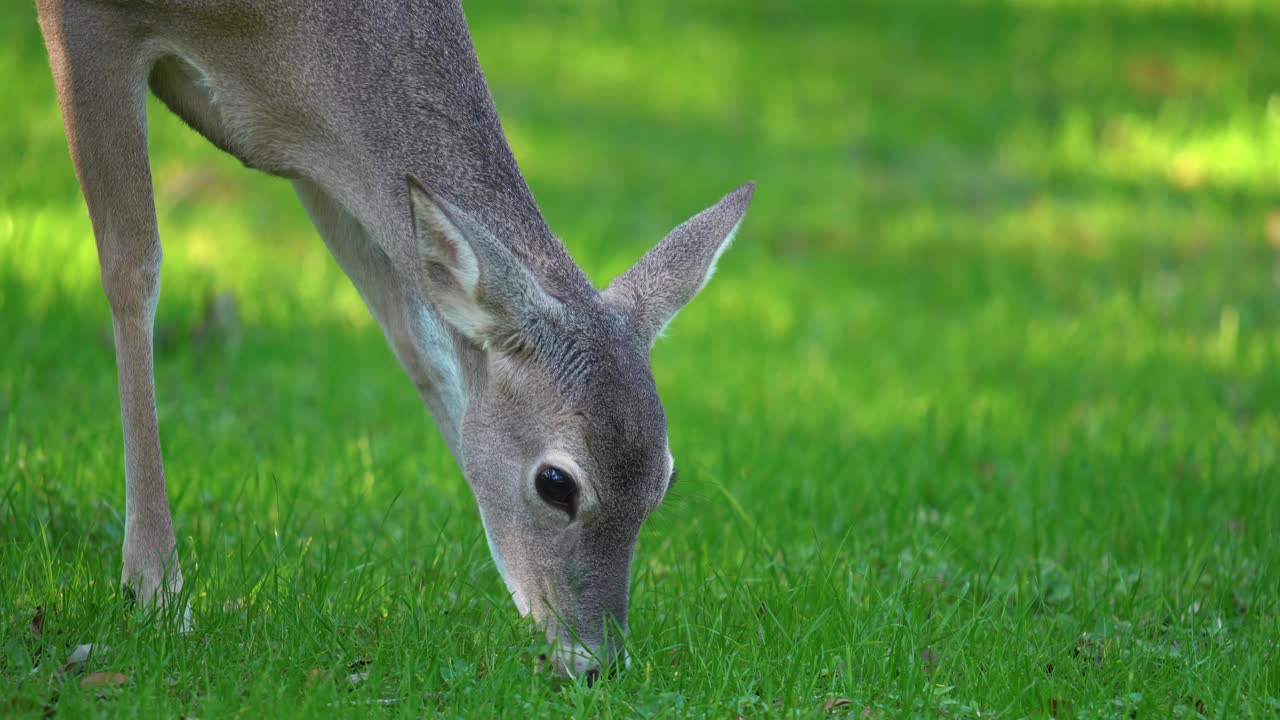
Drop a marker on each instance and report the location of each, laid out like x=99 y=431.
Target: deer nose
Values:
x=576 y=660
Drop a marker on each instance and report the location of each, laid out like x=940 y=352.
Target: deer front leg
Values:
x=151 y=570
x=100 y=72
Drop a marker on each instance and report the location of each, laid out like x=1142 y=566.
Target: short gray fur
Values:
x=380 y=115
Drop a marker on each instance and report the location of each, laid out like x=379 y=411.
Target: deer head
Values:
x=563 y=438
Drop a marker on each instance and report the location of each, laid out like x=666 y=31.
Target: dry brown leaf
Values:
x=316 y=676
x=23 y=706
x=834 y=703
x=37 y=622
x=103 y=679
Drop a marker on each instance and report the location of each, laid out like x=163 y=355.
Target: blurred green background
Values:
x=981 y=413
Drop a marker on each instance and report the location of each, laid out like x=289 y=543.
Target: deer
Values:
x=378 y=113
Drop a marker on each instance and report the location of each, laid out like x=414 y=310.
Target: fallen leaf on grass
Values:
x=23 y=705
x=834 y=703
x=104 y=679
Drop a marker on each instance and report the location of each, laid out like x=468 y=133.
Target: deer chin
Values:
x=513 y=588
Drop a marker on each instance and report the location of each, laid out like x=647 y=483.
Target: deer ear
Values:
x=475 y=283
x=670 y=274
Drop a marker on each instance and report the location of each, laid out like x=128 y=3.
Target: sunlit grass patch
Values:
x=977 y=418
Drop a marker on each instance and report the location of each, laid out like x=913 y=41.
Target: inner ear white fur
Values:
x=445 y=243
x=706 y=278
x=454 y=269
x=464 y=263
x=711 y=268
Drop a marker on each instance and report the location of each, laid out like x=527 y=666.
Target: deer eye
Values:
x=557 y=488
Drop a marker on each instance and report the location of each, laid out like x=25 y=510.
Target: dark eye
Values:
x=557 y=488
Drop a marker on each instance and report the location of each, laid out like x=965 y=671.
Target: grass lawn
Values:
x=979 y=417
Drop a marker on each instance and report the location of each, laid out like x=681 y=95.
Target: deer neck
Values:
x=437 y=121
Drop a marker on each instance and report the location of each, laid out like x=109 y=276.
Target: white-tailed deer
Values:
x=378 y=113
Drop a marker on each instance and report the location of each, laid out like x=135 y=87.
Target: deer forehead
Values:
x=625 y=432
x=579 y=384
x=598 y=402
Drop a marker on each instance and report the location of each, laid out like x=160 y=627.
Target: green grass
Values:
x=980 y=416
